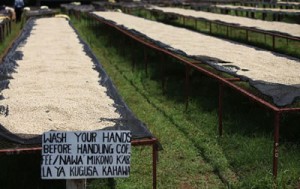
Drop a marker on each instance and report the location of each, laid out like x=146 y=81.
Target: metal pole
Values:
x=273 y=42
x=133 y=57
x=154 y=164
x=227 y=32
x=187 y=86
x=146 y=61
x=220 y=112
x=76 y=184
x=163 y=83
x=276 y=143
x=9 y=26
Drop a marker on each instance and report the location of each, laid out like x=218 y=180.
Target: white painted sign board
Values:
x=81 y=155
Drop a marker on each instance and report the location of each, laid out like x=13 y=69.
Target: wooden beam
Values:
x=76 y=184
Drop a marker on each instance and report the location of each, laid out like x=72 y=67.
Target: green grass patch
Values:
x=6 y=43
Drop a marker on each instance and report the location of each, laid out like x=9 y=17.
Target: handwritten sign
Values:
x=90 y=154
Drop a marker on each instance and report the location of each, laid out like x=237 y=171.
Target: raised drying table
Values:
x=52 y=81
x=287 y=31
x=278 y=14
x=179 y=43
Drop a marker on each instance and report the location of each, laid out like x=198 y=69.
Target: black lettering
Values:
x=122 y=159
x=115 y=170
x=47 y=159
x=100 y=160
x=70 y=160
x=57 y=148
x=120 y=137
x=55 y=138
x=105 y=136
x=83 y=171
x=47 y=172
x=86 y=137
x=95 y=149
x=78 y=135
x=123 y=148
x=60 y=171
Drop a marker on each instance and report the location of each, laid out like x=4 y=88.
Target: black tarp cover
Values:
x=128 y=121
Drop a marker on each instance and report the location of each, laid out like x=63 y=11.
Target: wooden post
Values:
x=76 y=184
x=154 y=165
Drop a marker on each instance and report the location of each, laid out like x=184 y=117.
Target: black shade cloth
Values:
x=128 y=121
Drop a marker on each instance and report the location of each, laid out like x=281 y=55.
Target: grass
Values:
x=6 y=43
x=194 y=156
